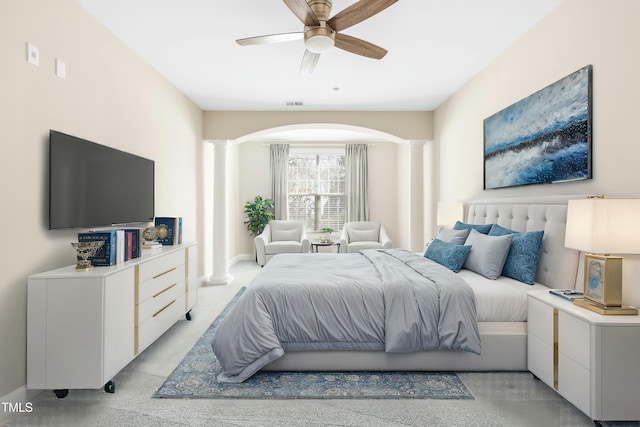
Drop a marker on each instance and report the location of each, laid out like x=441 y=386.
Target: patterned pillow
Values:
x=488 y=254
x=480 y=228
x=522 y=262
x=450 y=255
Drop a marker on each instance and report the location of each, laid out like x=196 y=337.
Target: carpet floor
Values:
x=195 y=378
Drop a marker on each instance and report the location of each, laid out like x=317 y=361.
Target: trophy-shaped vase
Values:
x=84 y=251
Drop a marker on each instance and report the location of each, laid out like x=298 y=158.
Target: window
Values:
x=316 y=190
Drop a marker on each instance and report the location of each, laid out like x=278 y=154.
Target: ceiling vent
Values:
x=294 y=103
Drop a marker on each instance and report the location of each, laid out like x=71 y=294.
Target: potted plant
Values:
x=259 y=212
x=327 y=234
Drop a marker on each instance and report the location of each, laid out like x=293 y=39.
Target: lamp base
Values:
x=603 y=309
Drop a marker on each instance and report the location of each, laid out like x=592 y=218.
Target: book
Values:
x=107 y=254
x=120 y=246
x=568 y=294
x=132 y=243
x=169 y=230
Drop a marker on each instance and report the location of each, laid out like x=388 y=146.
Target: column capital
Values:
x=415 y=143
x=219 y=142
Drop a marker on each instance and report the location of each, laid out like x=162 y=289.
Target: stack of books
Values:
x=119 y=245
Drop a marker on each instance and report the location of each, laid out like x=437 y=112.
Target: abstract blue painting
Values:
x=543 y=138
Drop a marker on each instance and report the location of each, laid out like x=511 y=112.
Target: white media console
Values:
x=84 y=327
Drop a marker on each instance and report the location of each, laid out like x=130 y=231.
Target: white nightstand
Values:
x=590 y=359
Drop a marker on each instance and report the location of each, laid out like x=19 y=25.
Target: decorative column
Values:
x=220 y=245
x=416 y=213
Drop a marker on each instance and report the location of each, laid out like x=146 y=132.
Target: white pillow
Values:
x=368 y=235
x=281 y=231
x=488 y=253
x=457 y=237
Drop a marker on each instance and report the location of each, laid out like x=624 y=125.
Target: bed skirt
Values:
x=504 y=348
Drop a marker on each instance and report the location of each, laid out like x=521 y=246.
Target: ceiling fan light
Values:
x=319 y=43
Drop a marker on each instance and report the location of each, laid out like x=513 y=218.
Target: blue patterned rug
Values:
x=195 y=378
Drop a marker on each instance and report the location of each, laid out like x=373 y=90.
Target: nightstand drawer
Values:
x=574 y=383
x=540 y=321
x=540 y=359
x=574 y=339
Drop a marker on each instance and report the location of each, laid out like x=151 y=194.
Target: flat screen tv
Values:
x=93 y=185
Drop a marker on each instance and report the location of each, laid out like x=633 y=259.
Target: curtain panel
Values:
x=279 y=179
x=356 y=183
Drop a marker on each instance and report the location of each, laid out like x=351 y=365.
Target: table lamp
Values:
x=600 y=227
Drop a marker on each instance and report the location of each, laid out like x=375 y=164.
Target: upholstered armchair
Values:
x=363 y=235
x=279 y=237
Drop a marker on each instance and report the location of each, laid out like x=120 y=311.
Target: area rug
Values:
x=195 y=378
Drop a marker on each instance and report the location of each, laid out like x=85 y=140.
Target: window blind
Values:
x=316 y=190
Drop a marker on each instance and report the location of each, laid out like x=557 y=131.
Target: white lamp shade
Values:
x=448 y=213
x=604 y=226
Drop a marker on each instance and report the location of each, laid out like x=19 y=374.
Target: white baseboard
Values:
x=242 y=257
x=21 y=395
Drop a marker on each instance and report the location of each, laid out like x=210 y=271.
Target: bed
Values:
x=499 y=309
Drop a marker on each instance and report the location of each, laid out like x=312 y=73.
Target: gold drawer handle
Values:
x=162 y=274
x=164 y=308
x=164 y=290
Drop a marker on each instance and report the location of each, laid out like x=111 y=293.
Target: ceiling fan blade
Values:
x=309 y=61
x=301 y=9
x=358 y=12
x=271 y=38
x=359 y=46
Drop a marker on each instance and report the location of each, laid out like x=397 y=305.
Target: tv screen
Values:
x=94 y=185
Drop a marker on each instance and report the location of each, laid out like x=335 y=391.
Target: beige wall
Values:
x=231 y=125
x=576 y=33
x=110 y=96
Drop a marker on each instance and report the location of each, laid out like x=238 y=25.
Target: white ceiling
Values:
x=435 y=46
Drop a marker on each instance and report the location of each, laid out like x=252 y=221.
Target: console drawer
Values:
x=151 y=306
x=160 y=282
x=153 y=327
x=158 y=266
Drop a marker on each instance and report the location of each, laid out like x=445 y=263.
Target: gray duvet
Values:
x=387 y=300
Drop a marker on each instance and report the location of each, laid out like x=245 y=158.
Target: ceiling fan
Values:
x=322 y=33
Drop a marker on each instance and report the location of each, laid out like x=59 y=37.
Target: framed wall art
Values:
x=543 y=138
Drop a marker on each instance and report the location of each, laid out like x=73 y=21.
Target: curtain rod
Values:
x=318 y=145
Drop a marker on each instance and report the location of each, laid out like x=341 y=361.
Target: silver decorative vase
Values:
x=84 y=251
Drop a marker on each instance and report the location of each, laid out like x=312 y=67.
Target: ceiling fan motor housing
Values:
x=321 y=8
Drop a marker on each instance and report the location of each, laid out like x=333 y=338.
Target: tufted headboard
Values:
x=557 y=266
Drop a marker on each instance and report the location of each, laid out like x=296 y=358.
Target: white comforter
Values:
x=501 y=300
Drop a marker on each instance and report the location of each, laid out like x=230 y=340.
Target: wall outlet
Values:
x=61 y=69
x=33 y=54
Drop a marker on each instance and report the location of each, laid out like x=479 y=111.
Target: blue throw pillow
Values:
x=480 y=228
x=522 y=261
x=450 y=255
